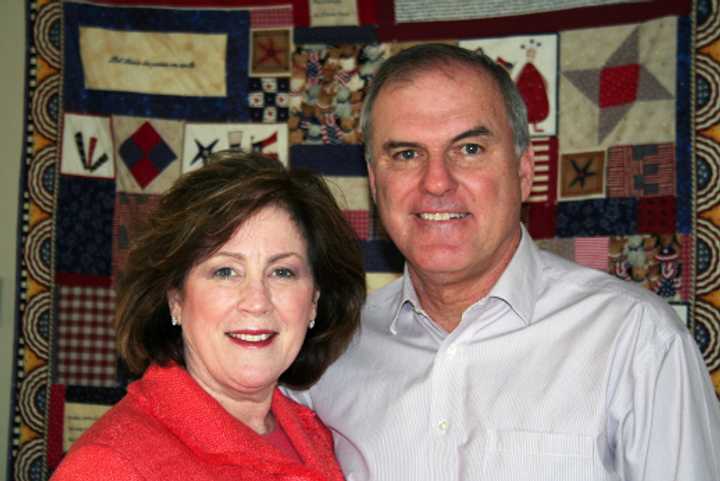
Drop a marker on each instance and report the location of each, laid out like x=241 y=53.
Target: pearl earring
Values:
x=174 y=321
x=312 y=324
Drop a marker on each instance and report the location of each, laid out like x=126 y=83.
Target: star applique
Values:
x=618 y=85
x=581 y=173
x=204 y=151
x=269 y=53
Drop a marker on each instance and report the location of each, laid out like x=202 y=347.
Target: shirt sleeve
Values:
x=99 y=463
x=671 y=428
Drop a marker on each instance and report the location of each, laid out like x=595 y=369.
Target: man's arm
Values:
x=671 y=428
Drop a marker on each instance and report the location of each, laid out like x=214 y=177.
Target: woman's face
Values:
x=244 y=311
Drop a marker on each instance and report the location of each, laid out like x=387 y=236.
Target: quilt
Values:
x=124 y=96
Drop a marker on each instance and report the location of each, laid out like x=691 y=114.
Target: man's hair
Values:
x=197 y=216
x=424 y=57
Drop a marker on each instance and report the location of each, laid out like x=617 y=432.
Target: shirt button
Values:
x=443 y=425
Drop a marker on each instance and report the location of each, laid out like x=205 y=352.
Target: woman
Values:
x=247 y=275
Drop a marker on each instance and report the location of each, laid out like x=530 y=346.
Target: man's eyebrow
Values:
x=398 y=144
x=480 y=131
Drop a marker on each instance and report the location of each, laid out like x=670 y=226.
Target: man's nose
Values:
x=438 y=177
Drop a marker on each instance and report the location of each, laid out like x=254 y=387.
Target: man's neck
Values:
x=445 y=297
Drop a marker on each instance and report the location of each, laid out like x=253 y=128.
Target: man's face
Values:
x=445 y=175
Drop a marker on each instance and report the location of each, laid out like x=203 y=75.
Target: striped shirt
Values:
x=561 y=373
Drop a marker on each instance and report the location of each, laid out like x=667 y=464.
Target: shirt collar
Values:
x=517 y=285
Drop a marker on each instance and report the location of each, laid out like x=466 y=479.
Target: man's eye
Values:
x=405 y=155
x=283 y=272
x=471 y=149
x=224 y=273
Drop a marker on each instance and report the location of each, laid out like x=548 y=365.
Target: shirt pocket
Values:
x=524 y=455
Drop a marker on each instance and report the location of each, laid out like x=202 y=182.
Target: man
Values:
x=490 y=359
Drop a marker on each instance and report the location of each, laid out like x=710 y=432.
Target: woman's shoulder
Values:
x=98 y=462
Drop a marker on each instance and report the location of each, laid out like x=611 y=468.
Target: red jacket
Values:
x=168 y=428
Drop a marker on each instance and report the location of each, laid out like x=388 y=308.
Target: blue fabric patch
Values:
x=597 y=217
x=683 y=147
x=346 y=159
x=84 y=226
x=382 y=256
x=335 y=35
x=234 y=23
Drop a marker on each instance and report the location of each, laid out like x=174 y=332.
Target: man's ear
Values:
x=526 y=166
x=371 y=179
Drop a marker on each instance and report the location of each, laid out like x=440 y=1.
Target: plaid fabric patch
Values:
x=86 y=354
x=360 y=222
x=271 y=17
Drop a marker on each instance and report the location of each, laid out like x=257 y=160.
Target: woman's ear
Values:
x=174 y=300
x=316 y=296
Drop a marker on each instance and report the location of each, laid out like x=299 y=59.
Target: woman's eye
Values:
x=283 y=272
x=224 y=273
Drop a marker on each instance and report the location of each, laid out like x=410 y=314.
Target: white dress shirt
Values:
x=561 y=373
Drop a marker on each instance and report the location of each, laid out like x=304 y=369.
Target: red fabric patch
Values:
x=618 y=85
x=144 y=173
x=360 y=222
x=146 y=137
x=539 y=220
x=656 y=215
x=86 y=337
x=56 y=421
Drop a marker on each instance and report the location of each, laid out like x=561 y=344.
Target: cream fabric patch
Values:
x=187 y=64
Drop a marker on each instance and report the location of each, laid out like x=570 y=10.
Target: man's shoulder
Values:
x=566 y=281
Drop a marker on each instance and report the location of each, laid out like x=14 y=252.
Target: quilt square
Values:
x=641 y=170
x=270 y=51
x=271 y=17
x=544 y=185
x=539 y=219
x=327 y=88
x=617 y=85
x=564 y=248
x=201 y=140
x=147 y=153
x=131 y=212
x=593 y=252
x=531 y=61
x=360 y=221
x=84 y=225
x=150 y=62
x=658 y=262
x=86 y=338
x=582 y=175
x=269 y=99
x=656 y=215
x=87 y=147
x=597 y=217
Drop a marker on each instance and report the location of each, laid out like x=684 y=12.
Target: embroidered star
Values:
x=203 y=151
x=581 y=173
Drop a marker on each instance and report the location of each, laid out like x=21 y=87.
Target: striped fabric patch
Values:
x=592 y=252
x=544 y=181
x=641 y=170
